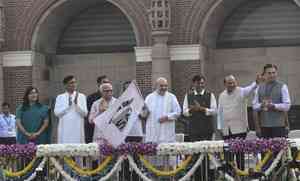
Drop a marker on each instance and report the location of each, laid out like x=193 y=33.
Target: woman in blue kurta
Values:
x=32 y=119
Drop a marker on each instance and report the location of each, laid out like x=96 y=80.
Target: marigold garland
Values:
x=258 y=167
x=87 y=172
x=180 y=167
x=20 y=173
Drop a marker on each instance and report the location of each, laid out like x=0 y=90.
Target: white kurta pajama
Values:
x=71 y=118
x=160 y=106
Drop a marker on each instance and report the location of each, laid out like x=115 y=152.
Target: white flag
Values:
x=117 y=122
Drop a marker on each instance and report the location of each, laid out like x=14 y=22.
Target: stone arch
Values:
x=206 y=19
x=32 y=19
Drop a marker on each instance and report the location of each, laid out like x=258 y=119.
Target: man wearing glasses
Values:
x=89 y=127
x=101 y=105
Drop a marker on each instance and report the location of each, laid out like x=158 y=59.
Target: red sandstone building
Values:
x=44 y=40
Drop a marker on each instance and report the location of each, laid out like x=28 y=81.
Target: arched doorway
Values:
x=84 y=39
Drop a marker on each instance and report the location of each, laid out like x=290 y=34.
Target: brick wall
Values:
x=143 y=77
x=16 y=79
x=22 y=16
x=182 y=73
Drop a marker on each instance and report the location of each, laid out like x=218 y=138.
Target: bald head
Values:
x=161 y=85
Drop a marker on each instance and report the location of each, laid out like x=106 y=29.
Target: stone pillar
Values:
x=2 y=27
x=2 y=23
x=1 y=80
x=159 y=16
x=161 y=57
x=17 y=68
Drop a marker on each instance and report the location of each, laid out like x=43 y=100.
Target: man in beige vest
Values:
x=232 y=110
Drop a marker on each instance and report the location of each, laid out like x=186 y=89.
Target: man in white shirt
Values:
x=273 y=101
x=70 y=108
x=199 y=106
x=164 y=110
x=7 y=125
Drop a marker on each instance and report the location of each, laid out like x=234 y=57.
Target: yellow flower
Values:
x=157 y=172
x=88 y=172
x=20 y=173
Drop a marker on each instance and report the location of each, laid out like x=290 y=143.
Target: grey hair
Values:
x=229 y=77
x=104 y=85
x=161 y=79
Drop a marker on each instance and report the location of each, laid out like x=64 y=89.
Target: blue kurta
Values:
x=32 y=120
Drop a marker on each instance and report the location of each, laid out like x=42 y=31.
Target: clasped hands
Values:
x=268 y=105
x=163 y=119
x=32 y=136
x=197 y=107
x=103 y=106
x=75 y=100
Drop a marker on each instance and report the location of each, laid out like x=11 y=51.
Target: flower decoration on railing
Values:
x=190 y=148
x=62 y=150
x=276 y=151
x=128 y=148
x=239 y=145
x=18 y=150
x=137 y=148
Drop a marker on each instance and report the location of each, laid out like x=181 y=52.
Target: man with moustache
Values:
x=273 y=101
x=232 y=111
x=163 y=109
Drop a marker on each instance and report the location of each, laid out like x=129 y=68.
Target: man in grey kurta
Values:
x=272 y=99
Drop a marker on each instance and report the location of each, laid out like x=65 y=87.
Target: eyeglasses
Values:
x=109 y=90
x=72 y=82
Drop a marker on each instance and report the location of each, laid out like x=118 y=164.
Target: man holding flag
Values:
x=117 y=122
x=101 y=105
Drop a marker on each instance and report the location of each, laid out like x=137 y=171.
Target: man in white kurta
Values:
x=164 y=110
x=70 y=108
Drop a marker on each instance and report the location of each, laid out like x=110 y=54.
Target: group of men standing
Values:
x=271 y=103
x=78 y=114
